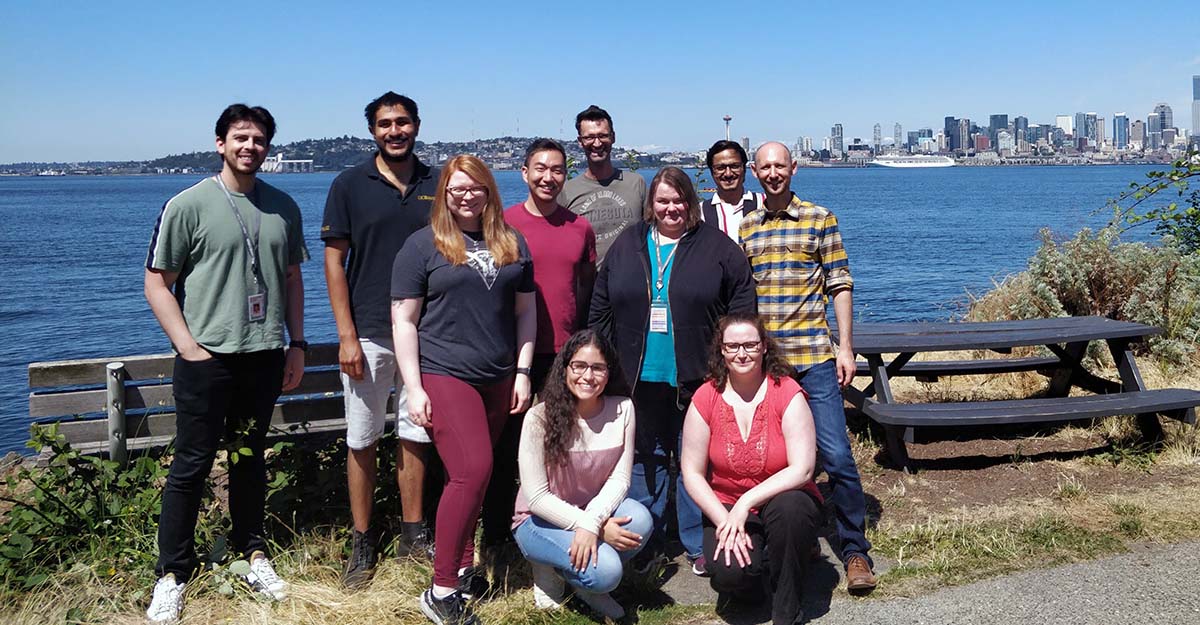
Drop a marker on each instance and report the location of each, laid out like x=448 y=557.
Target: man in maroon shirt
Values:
x=563 y=247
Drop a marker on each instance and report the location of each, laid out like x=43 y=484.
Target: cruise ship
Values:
x=913 y=160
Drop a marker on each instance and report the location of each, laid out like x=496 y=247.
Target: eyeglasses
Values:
x=751 y=347
x=726 y=167
x=602 y=137
x=578 y=367
x=459 y=193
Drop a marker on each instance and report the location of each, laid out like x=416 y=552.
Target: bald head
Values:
x=773 y=150
x=773 y=165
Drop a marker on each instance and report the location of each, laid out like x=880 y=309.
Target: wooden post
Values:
x=115 y=404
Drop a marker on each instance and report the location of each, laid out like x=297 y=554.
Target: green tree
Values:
x=1179 y=218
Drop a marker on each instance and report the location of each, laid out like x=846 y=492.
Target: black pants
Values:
x=230 y=396
x=497 y=516
x=785 y=528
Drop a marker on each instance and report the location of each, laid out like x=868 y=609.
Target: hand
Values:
x=583 y=550
x=350 y=357
x=520 y=394
x=196 y=353
x=620 y=538
x=420 y=411
x=846 y=367
x=293 y=368
x=732 y=537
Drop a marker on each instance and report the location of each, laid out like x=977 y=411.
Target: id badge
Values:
x=658 y=318
x=257 y=306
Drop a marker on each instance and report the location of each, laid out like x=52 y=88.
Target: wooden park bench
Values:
x=116 y=404
x=1066 y=338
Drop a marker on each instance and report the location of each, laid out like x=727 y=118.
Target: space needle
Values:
x=727 y=119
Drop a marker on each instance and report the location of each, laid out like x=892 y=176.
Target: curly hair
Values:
x=558 y=414
x=775 y=366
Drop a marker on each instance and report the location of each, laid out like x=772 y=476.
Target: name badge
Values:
x=658 y=318
x=256 y=305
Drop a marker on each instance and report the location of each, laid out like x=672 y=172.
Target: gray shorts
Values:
x=366 y=399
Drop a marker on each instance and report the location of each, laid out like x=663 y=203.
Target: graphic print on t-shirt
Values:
x=481 y=261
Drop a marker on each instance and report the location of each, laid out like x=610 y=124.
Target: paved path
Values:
x=1152 y=584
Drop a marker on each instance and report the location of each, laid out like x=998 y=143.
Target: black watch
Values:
x=525 y=370
x=301 y=345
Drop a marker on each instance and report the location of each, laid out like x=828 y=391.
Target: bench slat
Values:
x=152 y=396
x=154 y=366
x=934 y=368
x=1045 y=409
x=286 y=415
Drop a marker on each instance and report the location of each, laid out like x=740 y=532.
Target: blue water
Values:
x=72 y=250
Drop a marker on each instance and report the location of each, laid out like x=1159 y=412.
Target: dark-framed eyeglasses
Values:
x=579 y=367
x=751 y=347
x=601 y=137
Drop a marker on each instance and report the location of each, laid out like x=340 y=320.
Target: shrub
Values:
x=1095 y=273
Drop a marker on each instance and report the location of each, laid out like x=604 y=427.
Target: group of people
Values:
x=674 y=346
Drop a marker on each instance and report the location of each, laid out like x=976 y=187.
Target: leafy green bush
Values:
x=1095 y=273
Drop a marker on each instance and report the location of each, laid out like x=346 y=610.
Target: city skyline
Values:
x=138 y=81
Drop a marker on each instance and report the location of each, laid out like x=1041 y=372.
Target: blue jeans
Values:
x=545 y=543
x=657 y=439
x=829 y=417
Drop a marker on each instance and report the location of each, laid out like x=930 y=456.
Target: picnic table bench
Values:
x=116 y=404
x=1066 y=338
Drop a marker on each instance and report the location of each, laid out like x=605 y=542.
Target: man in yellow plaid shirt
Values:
x=796 y=253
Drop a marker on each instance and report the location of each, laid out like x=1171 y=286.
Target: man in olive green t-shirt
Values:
x=223 y=279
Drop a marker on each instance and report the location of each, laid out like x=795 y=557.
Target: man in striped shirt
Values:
x=796 y=253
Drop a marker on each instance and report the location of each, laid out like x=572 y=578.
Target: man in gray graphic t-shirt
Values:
x=609 y=197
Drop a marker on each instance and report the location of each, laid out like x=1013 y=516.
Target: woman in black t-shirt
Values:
x=463 y=319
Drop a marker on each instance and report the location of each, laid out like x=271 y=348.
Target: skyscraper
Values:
x=1121 y=131
x=996 y=123
x=1100 y=134
x=964 y=134
x=1196 y=110
x=1021 y=129
x=950 y=129
x=1137 y=135
x=1080 y=125
x=1153 y=131
x=836 y=146
x=1166 y=118
x=1064 y=122
x=877 y=138
x=897 y=136
x=1089 y=121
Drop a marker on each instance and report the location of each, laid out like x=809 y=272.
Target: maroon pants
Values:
x=467 y=420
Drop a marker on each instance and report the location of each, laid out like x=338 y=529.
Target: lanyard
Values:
x=251 y=244
x=662 y=266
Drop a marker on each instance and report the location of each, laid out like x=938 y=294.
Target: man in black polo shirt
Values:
x=371 y=210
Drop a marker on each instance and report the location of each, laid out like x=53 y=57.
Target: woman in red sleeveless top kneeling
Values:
x=747 y=460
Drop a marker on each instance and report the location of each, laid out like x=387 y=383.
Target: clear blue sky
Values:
x=137 y=80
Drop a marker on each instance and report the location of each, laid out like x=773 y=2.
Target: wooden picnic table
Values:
x=890 y=347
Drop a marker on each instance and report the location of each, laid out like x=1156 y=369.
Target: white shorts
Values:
x=366 y=399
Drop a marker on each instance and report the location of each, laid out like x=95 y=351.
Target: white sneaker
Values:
x=547 y=587
x=263 y=579
x=603 y=603
x=167 y=601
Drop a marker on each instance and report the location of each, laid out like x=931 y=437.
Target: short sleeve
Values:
x=171 y=242
x=526 y=285
x=336 y=222
x=589 y=244
x=703 y=400
x=297 y=249
x=410 y=277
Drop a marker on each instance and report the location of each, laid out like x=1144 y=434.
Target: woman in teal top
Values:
x=663 y=285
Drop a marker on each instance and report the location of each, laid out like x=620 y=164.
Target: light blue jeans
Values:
x=545 y=543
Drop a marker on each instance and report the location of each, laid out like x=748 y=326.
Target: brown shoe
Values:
x=859 y=577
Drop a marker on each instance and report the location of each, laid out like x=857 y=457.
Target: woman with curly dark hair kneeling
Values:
x=573 y=521
x=748 y=453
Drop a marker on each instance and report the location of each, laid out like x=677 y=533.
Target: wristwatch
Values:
x=301 y=345
x=525 y=370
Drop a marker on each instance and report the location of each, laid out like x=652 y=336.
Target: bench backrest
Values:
x=95 y=402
